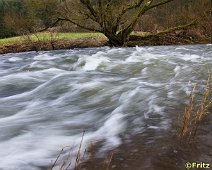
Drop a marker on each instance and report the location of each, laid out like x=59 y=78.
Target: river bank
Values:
x=57 y=44
x=180 y=38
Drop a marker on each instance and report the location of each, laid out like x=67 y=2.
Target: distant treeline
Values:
x=24 y=16
x=18 y=17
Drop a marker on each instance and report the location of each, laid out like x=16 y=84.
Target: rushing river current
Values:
x=47 y=99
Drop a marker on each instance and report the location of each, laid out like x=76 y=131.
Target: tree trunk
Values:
x=114 y=39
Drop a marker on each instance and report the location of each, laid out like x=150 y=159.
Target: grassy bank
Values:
x=46 y=36
x=55 y=41
x=51 y=41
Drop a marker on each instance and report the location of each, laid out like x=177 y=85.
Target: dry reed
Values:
x=66 y=164
x=195 y=112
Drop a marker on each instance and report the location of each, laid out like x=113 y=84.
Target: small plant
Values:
x=67 y=163
x=75 y=162
x=195 y=113
x=39 y=39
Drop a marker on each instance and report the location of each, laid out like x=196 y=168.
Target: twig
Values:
x=78 y=153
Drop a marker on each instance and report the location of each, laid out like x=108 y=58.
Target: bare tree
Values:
x=116 y=19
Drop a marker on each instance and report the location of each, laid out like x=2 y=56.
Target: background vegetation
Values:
x=19 y=17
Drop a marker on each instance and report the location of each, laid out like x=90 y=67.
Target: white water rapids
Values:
x=47 y=99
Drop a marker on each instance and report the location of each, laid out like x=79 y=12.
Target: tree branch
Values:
x=169 y=30
x=147 y=6
x=88 y=5
x=79 y=25
x=73 y=22
x=128 y=8
x=181 y=27
x=141 y=11
x=53 y=25
x=159 y=4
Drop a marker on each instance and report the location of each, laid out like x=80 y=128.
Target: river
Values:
x=121 y=97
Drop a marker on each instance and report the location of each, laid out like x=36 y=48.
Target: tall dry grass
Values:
x=195 y=112
x=47 y=38
x=67 y=163
x=75 y=161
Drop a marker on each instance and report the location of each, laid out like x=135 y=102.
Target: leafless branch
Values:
x=159 y=4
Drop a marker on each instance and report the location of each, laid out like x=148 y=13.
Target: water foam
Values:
x=93 y=62
x=15 y=59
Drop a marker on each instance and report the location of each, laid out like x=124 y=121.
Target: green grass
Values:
x=78 y=35
x=47 y=36
x=9 y=40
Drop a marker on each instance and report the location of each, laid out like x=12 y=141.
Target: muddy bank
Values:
x=86 y=42
x=154 y=152
x=180 y=38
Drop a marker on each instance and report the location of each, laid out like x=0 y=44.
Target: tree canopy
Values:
x=114 y=18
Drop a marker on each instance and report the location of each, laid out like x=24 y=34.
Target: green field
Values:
x=47 y=36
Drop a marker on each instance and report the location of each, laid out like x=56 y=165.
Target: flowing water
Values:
x=119 y=96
